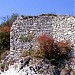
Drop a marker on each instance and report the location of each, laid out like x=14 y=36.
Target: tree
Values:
x=8 y=20
x=5 y=32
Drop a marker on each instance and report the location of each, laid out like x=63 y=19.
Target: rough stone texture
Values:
x=61 y=27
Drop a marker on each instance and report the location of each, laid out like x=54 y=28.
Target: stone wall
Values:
x=61 y=27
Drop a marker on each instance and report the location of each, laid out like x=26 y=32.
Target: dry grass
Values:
x=36 y=53
x=3 y=54
x=25 y=53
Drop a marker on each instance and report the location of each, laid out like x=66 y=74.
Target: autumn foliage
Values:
x=53 y=49
x=7 y=29
x=5 y=38
x=5 y=32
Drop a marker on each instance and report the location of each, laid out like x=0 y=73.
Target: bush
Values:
x=45 y=43
x=57 y=52
x=4 y=40
x=5 y=32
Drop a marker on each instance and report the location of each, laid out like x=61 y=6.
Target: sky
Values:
x=36 y=7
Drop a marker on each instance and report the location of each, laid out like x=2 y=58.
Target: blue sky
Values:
x=36 y=7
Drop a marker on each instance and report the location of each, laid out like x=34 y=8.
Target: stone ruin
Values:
x=60 y=27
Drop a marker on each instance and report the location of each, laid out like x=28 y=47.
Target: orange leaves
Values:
x=7 y=29
x=45 y=42
x=45 y=39
x=64 y=44
x=4 y=37
x=53 y=49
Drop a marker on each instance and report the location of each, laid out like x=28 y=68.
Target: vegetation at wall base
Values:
x=5 y=33
x=56 y=52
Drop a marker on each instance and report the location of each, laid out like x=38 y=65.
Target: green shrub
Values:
x=4 y=40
